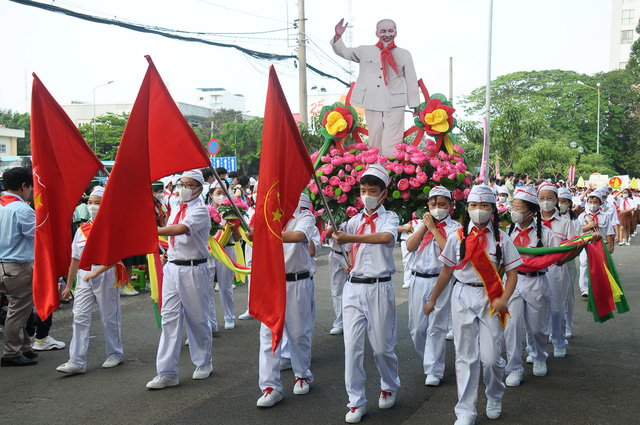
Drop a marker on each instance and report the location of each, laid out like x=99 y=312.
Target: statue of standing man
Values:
x=386 y=83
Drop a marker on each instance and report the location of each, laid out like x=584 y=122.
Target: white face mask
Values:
x=563 y=208
x=517 y=217
x=439 y=213
x=479 y=216
x=218 y=199
x=593 y=207
x=93 y=210
x=502 y=199
x=624 y=195
x=370 y=202
x=159 y=196
x=547 y=206
x=186 y=194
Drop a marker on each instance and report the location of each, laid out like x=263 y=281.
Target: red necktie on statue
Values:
x=367 y=220
x=386 y=58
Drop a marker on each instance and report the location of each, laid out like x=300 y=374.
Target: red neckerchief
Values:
x=367 y=220
x=594 y=217
x=179 y=216
x=625 y=203
x=522 y=239
x=427 y=238
x=7 y=199
x=476 y=241
x=386 y=58
x=548 y=222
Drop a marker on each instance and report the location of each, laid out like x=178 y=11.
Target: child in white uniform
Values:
x=368 y=299
x=565 y=207
x=337 y=279
x=477 y=327
x=428 y=332
x=93 y=287
x=407 y=256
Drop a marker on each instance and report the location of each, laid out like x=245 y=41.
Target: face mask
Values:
x=218 y=199
x=503 y=199
x=159 y=196
x=370 y=202
x=479 y=216
x=547 y=206
x=563 y=208
x=593 y=207
x=186 y=194
x=517 y=217
x=93 y=210
x=439 y=213
x=624 y=195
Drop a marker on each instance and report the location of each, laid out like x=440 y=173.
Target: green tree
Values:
x=633 y=65
x=18 y=121
x=242 y=139
x=108 y=134
x=593 y=163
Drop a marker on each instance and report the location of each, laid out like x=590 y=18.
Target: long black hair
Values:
x=496 y=231
x=536 y=209
x=572 y=216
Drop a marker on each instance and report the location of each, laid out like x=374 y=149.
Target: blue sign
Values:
x=214 y=147
x=228 y=162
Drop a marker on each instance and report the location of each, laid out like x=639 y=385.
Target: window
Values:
x=202 y=98
x=627 y=16
x=3 y=148
x=626 y=37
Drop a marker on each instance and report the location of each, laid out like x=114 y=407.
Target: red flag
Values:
x=63 y=166
x=157 y=141
x=285 y=169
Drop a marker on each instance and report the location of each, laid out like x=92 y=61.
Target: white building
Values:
x=218 y=98
x=9 y=141
x=625 y=17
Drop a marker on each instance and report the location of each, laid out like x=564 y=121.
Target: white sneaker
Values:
x=621 y=243
x=355 y=414
x=48 y=343
x=186 y=342
x=111 y=362
x=202 y=372
x=387 y=399
x=216 y=287
x=301 y=386
x=406 y=286
x=539 y=368
x=559 y=352
x=585 y=294
x=336 y=331
x=513 y=379
x=269 y=398
x=567 y=333
x=245 y=316
x=464 y=421
x=530 y=359
x=449 y=336
x=70 y=368
x=494 y=408
x=127 y=291
x=628 y=243
x=162 y=381
x=229 y=325
x=432 y=381
x=285 y=365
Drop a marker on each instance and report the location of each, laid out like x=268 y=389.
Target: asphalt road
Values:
x=597 y=383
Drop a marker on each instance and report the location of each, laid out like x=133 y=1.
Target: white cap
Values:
x=97 y=191
x=304 y=202
x=440 y=191
x=482 y=193
x=378 y=171
x=194 y=174
x=526 y=193
x=545 y=185
x=252 y=181
x=166 y=180
x=564 y=193
x=598 y=194
x=502 y=190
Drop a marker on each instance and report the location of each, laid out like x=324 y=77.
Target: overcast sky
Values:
x=72 y=57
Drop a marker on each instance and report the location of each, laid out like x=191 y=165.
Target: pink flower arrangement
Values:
x=214 y=214
x=457 y=194
x=351 y=211
x=403 y=184
x=342 y=199
x=239 y=203
x=334 y=181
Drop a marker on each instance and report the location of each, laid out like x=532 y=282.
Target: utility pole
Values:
x=450 y=79
x=485 y=165
x=302 y=63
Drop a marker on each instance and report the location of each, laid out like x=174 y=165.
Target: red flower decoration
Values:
x=346 y=114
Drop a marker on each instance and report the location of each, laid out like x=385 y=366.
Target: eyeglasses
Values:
x=191 y=186
x=520 y=210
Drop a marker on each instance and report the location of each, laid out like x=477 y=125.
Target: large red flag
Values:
x=157 y=141
x=63 y=166
x=285 y=169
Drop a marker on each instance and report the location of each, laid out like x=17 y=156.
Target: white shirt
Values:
x=375 y=260
x=406 y=235
x=427 y=261
x=296 y=255
x=450 y=256
x=562 y=228
x=192 y=245
x=604 y=222
x=548 y=238
x=621 y=203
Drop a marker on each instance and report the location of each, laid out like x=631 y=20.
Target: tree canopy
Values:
x=17 y=121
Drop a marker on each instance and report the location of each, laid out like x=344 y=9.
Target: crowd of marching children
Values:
x=462 y=278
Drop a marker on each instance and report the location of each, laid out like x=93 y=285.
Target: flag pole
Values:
x=331 y=220
x=226 y=192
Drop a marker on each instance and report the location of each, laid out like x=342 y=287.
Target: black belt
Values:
x=424 y=275
x=475 y=285
x=531 y=274
x=292 y=277
x=188 y=262
x=353 y=279
x=338 y=252
x=230 y=244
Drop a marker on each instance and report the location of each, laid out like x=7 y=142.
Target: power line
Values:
x=240 y=11
x=152 y=30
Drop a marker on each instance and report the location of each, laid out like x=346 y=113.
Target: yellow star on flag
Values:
x=37 y=201
x=277 y=215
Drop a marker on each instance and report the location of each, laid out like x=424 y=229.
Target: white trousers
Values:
x=225 y=286
x=369 y=308
x=298 y=325
x=560 y=284
x=337 y=278
x=211 y=263
x=572 y=266
x=584 y=272
x=477 y=338
x=429 y=332
x=407 y=262
x=98 y=291
x=248 y=255
x=386 y=129
x=530 y=304
x=185 y=295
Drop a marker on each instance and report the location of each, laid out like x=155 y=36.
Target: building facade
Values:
x=218 y=98
x=9 y=141
x=624 y=19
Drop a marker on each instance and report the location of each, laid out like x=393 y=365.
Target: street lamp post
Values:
x=597 y=88
x=94 y=113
